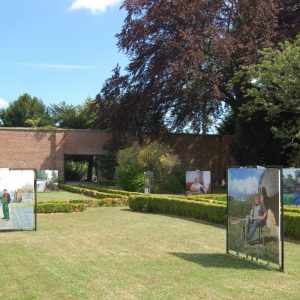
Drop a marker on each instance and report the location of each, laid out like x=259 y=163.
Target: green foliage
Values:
x=75 y=117
x=75 y=170
x=108 y=202
x=89 y=192
x=60 y=207
x=110 y=191
x=273 y=87
x=129 y=172
x=26 y=111
x=159 y=159
x=292 y=224
x=193 y=209
x=156 y=158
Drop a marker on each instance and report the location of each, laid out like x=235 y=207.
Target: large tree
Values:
x=273 y=89
x=183 y=53
x=73 y=116
x=24 y=112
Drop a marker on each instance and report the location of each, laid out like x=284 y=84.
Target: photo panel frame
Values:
x=198 y=182
x=255 y=215
x=17 y=199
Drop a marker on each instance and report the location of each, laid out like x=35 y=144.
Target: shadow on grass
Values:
x=177 y=217
x=219 y=260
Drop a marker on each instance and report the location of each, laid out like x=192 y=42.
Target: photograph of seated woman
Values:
x=258 y=215
x=197 y=187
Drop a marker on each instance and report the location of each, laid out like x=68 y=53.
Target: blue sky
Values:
x=243 y=182
x=58 y=50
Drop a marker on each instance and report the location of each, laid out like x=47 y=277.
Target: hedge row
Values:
x=109 y=191
x=194 y=209
x=292 y=224
x=207 y=200
x=90 y=192
x=48 y=208
x=215 y=213
x=218 y=197
x=291 y=209
x=109 y=202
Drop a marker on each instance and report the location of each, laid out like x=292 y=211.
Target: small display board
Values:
x=254 y=207
x=291 y=186
x=148 y=182
x=198 y=182
x=46 y=180
x=18 y=200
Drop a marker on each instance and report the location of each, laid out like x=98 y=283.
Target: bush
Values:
x=109 y=202
x=75 y=170
x=218 y=197
x=194 y=209
x=130 y=177
x=109 y=191
x=89 y=192
x=292 y=224
x=170 y=184
x=48 y=208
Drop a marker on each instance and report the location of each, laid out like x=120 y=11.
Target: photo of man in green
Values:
x=5 y=200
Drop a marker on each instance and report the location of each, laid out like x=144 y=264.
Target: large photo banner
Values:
x=46 y=180
x=254 y=214
x=291 y=186
x=198 y=182
x=17 y=198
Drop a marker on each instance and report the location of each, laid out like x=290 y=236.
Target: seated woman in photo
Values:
x=197 y=187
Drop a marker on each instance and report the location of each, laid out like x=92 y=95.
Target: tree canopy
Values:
x=25 y=111
x=273 y=85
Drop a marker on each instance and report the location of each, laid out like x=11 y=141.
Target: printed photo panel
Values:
x=17 y=194
x=198 y=182
x=291 y=186
x=254 y=214
x=46 y=180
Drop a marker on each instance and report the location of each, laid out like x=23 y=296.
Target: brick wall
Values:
x=33 y=149
x=30 y=148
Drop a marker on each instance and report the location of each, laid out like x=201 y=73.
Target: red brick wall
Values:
x=29 y=148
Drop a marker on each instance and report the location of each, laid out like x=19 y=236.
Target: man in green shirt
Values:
x=5 y=200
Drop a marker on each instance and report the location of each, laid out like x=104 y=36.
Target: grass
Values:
x=113 y=253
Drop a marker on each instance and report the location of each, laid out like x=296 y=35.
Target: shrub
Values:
x=130 y=177
x=194 y=209
x=88 y=192
x=292 y=224
x=170 y=184
x=48 y=208
x=109 y=191
x=109 y=202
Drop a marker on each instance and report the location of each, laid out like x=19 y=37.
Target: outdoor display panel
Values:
x=18 y=199
x=254 y=210
x=46 y=180
x=291 y=186
x=148 y=182
x=198 y=182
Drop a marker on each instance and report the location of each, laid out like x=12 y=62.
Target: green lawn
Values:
x=113 y=253
x=59 y=196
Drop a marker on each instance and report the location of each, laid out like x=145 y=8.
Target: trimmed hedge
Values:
x=48 y=208
x=109 y=191
x=194 y=209
x=291 y=209
x=90 y=192
x=292 y=224
x=202 y=210
x=109 y=202
x=207 y=200
x=217 y=197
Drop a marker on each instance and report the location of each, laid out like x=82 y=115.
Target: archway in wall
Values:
x=80 y=168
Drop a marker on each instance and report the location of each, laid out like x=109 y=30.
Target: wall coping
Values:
x=28 y=129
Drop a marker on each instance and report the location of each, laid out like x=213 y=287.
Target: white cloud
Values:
x=55 y=66
x=95 y=6
x=3 y=103
x=245 y=186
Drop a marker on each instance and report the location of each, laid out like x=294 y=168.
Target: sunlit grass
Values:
x=113 y=253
